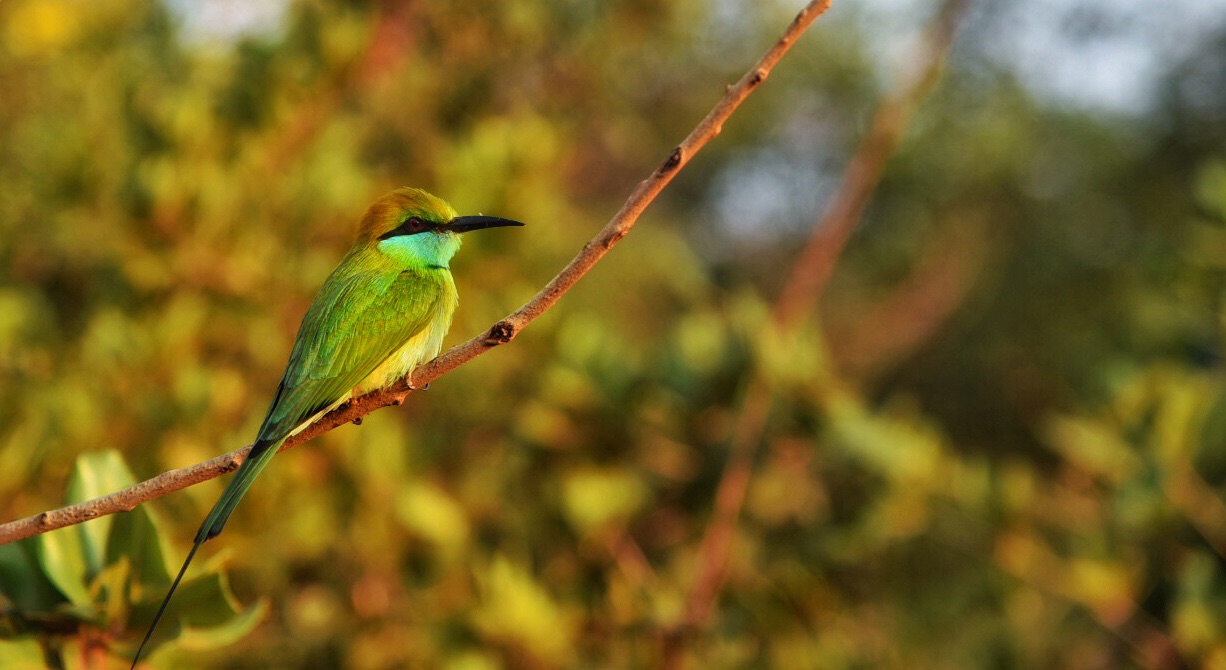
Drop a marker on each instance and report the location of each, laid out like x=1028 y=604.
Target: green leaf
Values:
x=111 y=589
x=73 y=557
x=202 y=615
x=23 y=654
x=1211 y=187
x=596 y=497
x=61 y=557
x=96 y=474
x=519 y=610
x=22 y=580
x=134 y=536
x=233 y=630
x=432 y=513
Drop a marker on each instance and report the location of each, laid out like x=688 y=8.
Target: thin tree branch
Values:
x=799 y=297
x=894 y=328
x=816 y=263
x=500 y=333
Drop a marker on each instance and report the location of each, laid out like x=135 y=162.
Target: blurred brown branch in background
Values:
x=893 y=328
x=500 y=333
x=799 y=298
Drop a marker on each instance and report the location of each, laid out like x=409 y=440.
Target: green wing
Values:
x=360 y=317
x=356 y=322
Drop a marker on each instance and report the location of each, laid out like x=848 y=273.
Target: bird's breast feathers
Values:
x=420 y=348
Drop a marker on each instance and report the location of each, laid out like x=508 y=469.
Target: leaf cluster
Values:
x=77 y=594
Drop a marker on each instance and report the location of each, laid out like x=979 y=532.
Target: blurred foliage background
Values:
x=1003 y=444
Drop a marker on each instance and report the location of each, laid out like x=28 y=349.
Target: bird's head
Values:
x=417 y=228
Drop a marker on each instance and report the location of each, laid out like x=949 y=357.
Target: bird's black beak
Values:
x=463 y=224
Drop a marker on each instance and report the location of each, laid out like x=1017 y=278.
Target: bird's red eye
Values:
x=415 y=223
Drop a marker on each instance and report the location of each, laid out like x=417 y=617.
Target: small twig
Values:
x=898 y=325
x=799 y=297
x=629 y=558
x=500 y=333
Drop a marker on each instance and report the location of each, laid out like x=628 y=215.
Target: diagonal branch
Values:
x=500 y=333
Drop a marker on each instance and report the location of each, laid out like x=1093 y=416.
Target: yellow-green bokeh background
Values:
x=998 y=444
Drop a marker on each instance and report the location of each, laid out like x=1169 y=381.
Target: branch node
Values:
x=500 y=333
x=613 y=238
x=758 y=76
x=671 y=163
x=800 y=18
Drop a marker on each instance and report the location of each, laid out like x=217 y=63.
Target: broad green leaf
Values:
x=22 y=580
x=96 y=474
x=226 y=632
x=202 y=615
x=111 y=588
x=206 y=601
x=23 y=654
x=134 y=536
x=60 y=555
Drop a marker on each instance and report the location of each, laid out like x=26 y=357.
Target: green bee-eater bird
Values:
x=382 y=312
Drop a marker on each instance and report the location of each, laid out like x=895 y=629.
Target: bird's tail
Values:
x=261 y=453
x=259 y=456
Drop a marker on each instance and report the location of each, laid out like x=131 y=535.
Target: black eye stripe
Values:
x=411 y=226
